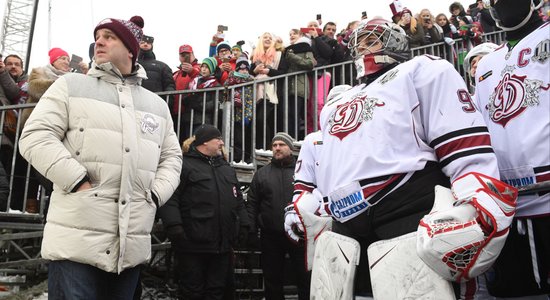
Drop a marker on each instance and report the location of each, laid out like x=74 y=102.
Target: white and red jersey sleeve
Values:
x=307 y=163
x=451 y=123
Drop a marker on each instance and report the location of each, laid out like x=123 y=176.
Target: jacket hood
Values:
x=301 y=46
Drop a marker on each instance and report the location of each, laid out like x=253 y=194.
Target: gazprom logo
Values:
x=348 y=205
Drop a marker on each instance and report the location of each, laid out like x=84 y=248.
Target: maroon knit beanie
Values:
x=128 y=32
x=138 y=21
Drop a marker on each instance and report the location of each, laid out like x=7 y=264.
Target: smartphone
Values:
x=147 y=39
x=306 y=30
x=74 y=63
x=364 y=14
x=318 y=17
x=222 y=28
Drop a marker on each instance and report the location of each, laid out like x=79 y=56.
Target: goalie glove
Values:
x=466 y=229
x=294 y=225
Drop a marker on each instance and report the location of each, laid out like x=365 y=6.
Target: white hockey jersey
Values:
x=375 y=137
x=307 y=163
x=512 y=92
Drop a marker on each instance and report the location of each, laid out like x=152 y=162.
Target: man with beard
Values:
x=270 y=191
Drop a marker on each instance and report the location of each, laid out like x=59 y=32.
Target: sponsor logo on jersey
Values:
x=542 y=52
x=349 y=205
x=517 y=182
x=512 y=96
x=149 y=124
x=347 y=117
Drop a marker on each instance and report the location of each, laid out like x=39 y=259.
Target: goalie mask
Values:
x=376 y=44
x=467 y=228
x=511 y=15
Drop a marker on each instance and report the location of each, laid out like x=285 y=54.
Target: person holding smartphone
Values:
x=432 y=32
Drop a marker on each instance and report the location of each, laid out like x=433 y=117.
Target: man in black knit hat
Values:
x=205 y=217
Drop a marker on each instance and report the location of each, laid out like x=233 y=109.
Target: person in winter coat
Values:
x=40 y=80
x=298 y=57
x=188 y=70
x=200 y=106
x=243 y=109
x=159 y=75
x=109 y=147
x=270 y=192
x=411 y=26
x=205 y=217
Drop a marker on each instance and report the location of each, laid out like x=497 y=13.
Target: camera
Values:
x=147 y=39
x=222 y=28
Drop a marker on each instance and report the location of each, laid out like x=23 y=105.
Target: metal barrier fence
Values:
x=289 y=102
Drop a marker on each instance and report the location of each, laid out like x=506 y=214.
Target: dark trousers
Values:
x=295 y=116
x=204 y=275
x=242 y=142
x=274 y=248
x=512 y=275
x=71 y=280
x=397 y=214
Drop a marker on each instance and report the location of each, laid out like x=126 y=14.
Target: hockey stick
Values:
x=534 y=188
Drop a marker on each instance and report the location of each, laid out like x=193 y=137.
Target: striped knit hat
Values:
x=212 y=64
x=285 y=138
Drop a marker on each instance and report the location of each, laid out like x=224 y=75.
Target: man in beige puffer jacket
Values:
x=109 y=147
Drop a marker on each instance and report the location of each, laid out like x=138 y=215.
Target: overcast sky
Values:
x=193 y=22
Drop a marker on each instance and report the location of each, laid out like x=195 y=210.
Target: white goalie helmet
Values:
x=481 y=49
x=377 y=43
x=460 y=240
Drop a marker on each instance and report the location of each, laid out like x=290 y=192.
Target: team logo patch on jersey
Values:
x=347 y=117
x=542 y=52
x=512 y=96
x=389 y=76
x=149 y=124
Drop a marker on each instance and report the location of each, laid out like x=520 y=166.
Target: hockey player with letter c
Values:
x=513 y=95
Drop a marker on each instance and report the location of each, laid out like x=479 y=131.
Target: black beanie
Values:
x=205 y=133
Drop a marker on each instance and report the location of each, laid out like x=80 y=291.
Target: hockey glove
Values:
x=293 y=225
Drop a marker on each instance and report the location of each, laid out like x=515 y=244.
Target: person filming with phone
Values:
x=432 y=31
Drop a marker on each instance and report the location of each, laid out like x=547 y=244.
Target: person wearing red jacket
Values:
x=226 y=61
x=188 y=69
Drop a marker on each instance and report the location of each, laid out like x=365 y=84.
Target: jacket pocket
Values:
x=201 y=226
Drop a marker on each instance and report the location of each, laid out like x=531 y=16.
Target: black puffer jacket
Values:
x=208 y=204
x=270 y=191
x=159 y=74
